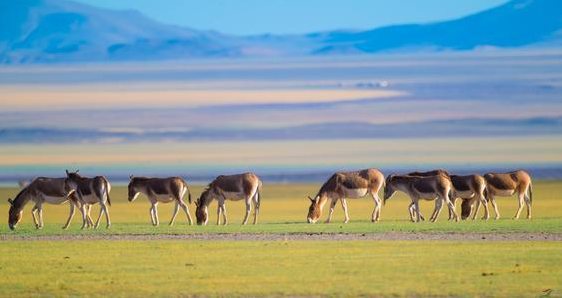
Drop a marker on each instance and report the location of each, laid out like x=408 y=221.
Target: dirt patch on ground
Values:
x=304 y=237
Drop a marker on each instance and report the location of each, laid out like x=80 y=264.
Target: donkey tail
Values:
x=107 y=188
x=531 y=192
x=188 y=191
x=258 y=194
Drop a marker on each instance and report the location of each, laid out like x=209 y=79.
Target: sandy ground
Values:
x=393 y=236
x=16 y=99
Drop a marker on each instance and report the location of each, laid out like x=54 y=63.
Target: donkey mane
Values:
x=16 y=202
x=202 y=199
x=327 y=184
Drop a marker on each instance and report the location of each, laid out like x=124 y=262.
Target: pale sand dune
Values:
x=412 y=152
x=18 y=99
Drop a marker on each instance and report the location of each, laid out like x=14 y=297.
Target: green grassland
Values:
x=266 y=268
x=87 y=267
x=283 y=210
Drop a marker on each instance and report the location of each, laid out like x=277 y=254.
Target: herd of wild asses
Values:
x=438 y=185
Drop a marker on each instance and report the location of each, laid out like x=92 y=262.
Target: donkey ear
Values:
x=76 y=171
x=11 y=201
x=66 y=171
x=310 y=199
x=131 y=177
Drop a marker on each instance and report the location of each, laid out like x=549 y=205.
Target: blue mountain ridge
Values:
x=43 y=31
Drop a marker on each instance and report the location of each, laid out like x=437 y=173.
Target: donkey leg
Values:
x=451 y=217
x=84 y=213
x=528 y=203
x=33 y=212
x=176 y=209
x=70 y=215
x=186 y=210
x=256 y=207
x=493 y=200
x=219 y=211
x=248 y=210
x=437 y=210
x=486 y=209
x=151 y=210
x=107 y=219
x=40 y=213
x=376 y=210
x=332 y=206
x=344 y=206
x=417 y=209
x=155 y=208
x=452 y=208
x=97 y=224
x=378 y=207
x=521 y=197
x=89 y=216
x=224 y=217
x=412 y=211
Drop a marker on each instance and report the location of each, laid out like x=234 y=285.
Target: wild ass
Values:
x=505 y=185
x=427 y=188
x=466 y=187
x=90 y=191
x=238 y=187
x=342 y=185
x=162 y=190
x=41 y=190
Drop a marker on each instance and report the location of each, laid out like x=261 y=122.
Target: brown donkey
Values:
x=507 y=184
x=342 y=185
x=469 y=188
x=40 y=191
x=162 y=190
x=237 y=187
x=417 y=188
x=90 y=191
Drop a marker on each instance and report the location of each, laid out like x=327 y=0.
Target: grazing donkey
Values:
x=342 y=185
x=505 y=185
x=428 y=188
x=238 y=187
x=89 y=191
x=41 y=190
x=162 y=190
x=466 y=187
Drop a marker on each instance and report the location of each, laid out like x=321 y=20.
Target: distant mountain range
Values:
x=43 y=31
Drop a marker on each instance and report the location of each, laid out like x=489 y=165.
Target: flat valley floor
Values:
x=284 y=256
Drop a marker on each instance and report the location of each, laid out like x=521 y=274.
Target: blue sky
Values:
x=243 y=17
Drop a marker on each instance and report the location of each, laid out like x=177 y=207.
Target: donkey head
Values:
x=70 y=183
x=14 y=215
x=389 y=188
x=202 y=211
x=132 y=189
x=314 y=211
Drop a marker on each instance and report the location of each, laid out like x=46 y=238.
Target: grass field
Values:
x=181 y=268
x=283 y=210
x=272 y=268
